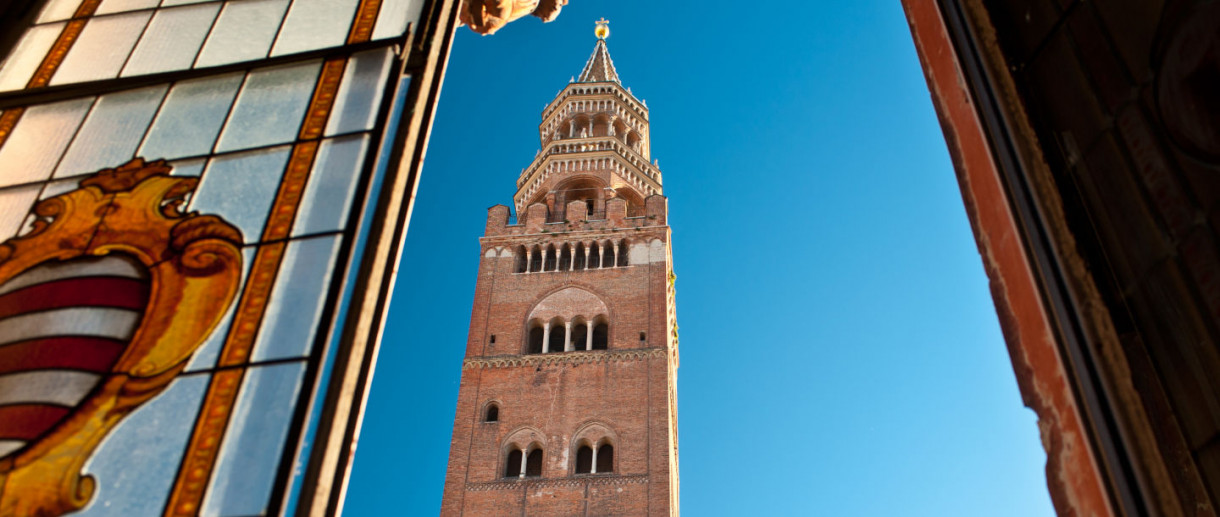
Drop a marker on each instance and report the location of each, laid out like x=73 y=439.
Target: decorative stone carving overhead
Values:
x=488 y=16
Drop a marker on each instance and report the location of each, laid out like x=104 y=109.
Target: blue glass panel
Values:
x=243 y=32
x=394 y=16
x=135 y=466
x=270 y=107
x=28 y=54
x=35 y=145
x=110 y=134
x=296 y=304
x=191 y=117
x=172 y=39
x=359 y=95
x=328 y=196
x=241 y=187
x=118 y=6
x=253 y=444
x=58 y=10
x=102 y=48
x=15 y=204
x=315 y=24
x=188 y=167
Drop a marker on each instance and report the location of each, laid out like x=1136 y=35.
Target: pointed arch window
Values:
x=512 y=464
x=523 y=259
x=578 y=261
x=533 y=463
x=536 y=260
x=608 y=254
x=601 y=335
x=537 y=333
x=492 y=414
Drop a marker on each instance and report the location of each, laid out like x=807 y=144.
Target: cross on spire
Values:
x=603 y=28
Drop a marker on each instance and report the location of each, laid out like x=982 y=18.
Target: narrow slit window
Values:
x=493 y=414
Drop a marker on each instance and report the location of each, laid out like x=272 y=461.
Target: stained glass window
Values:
x=161 y=133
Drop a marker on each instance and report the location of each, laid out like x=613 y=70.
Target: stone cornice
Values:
x=571 y=482
x=578 y=357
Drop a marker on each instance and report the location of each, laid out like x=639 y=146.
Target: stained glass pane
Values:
x=110 y=134
x=102 y=48
x=191 y=167
x=244 y=31
x=205 y=356
x=296 y=304
x=314 y=24
x=191 y=117
x=328 y=196
x=35 y=145
x=241 y=187
x=134 y=466
x=15 y=204
x=58 y=10
x=172 y=39
x=394 y=16
x=24 y=60
x=118 y=6
x=360 y=93
x=270 y=107
x=249 y=458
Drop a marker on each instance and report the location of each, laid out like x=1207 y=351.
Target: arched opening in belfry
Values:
x=512 y=464
x=523 y=259
x=551 y=258
x=565 y=258
x=608 y=254
x=623 y=252
x=584 y=460
x=533 y=463
x=586 y=189
x=580 y=334
x=555 y=341
x=601 y=125
x=633 y=141
x=580 y=126
x=601 y=334
x=578 y=261
x=535 y=339
x=594 y=256
x=620 y=130
x=536 y=260
x=605 y=459
x=635 y=202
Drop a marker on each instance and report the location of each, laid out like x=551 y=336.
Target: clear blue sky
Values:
x=840 y=352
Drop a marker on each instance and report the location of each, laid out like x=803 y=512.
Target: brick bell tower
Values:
x=568 y=402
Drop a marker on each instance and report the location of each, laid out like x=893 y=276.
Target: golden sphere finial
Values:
x=603 y=29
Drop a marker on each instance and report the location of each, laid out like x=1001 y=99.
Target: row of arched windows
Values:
x=566 y=257
x=557 y=335
x=591 y=458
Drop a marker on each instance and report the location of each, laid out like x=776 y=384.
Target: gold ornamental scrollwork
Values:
x=194 y=265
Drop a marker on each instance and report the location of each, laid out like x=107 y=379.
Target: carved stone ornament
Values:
x=193 y=265
x=488 y=16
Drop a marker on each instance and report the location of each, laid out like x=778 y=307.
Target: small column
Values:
x=588 y=335
x=614 y=253
x=567 y=336
x=523 y=462
x=594 y=469
x=546 y=337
